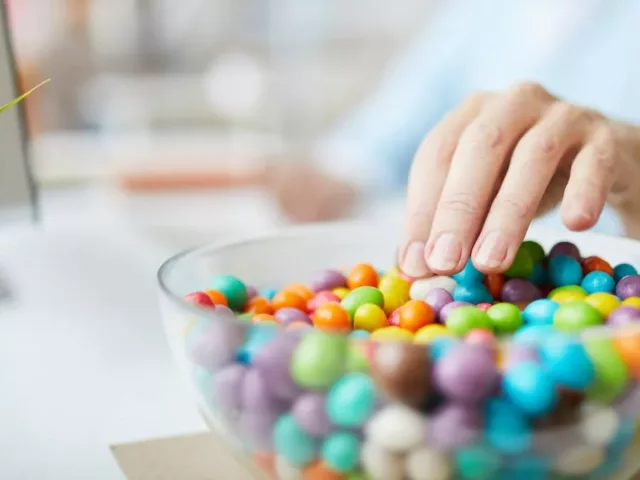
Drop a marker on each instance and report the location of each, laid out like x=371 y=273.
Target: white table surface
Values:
x=83 y=360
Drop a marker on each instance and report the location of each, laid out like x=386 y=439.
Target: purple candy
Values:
x=467 y=374
x=448 y=308
x=328 y=280
x=227 y=388
x=251 y=292
x=519 y=290
x=628 y=286
x=438 y=298
x=256 y=395
x=273 y=361
x=290 y=315
x=454 y=425
x=565 y=248
x=256 y=428
x=520 y=352
x=623 y=315
x=215 y=345
x=310 y=414
x=629 y=404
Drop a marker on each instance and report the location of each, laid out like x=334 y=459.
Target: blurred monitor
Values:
x=17 y=193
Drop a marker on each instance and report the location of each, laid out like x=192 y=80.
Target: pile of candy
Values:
x=361 y=374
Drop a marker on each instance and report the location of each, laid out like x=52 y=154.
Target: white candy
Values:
x=423 y=463
x=421 y=287
x=397 y=428
x=286 y=471
x=599 y=424
x=381 y=464
x=579 y=460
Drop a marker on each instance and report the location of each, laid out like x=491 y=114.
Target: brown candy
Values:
x=403 y=372
x=566 y=412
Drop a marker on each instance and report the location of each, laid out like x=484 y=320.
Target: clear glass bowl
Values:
x=377 y=410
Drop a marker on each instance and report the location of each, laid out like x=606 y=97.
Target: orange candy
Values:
x=494 y=283
x=217 y=297
x=627 y=344
x=592 y=264
x=266 y=462
x=332 y=317
x=362 y=275
x=301 y=290
x=263 y=318
x=259 y=305
x=287 y=298
x=321 y=471
x=415 y=314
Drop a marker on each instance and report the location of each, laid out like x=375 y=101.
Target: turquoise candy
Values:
x=566 y=360
x=530 y=388
x=564 y=270
x=477 y=462
x=293 y=443
x=474 y=293
x=623 y=270
x=469 y=275
x=233 y=289
x=268 y=293
x=258 y=336
x=540 y=312
x=506 y=428
x=341 y=451
x=526 y=467
x=351 y=401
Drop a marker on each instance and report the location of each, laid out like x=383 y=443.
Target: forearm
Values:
x=625 y=193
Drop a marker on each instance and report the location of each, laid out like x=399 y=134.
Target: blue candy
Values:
x=533 y=334
x=257 y=337
x=540 y=312
x=567 y=361
x=623 y=437
x=623 y=270
x=359 y=334
x=538 y=276
x=526 y=467
x=506 y=428
x=268 y=293
x=351 y=400
x=530 y=388
x=469 y=275
x=293 y=443
x=595 y=282
x=564 y=270
x=477 y=462
x=341 y=451
x=440 y=346
x=472 y=293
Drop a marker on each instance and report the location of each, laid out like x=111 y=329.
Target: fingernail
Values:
x=492 y=251
x=414 y=263
x=446 y=253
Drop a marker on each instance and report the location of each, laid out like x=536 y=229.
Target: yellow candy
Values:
x=605 y=303
x=429 y=333
x=395 y=291
x=393 y=271
x=566 y=296
x=392 y=333
x=369 y=317
x=188 y=325
x=341 y=292
x=631 y=302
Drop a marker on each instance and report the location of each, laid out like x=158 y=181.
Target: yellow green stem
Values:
x=23 y=96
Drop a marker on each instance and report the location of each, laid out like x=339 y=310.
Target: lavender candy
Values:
x=215 y=342
x=328 y=280
x=520 y=352
x=227 y=388
x=255 y=428
x=289 y=315
x=628 y=286
x=519 y=290
x=624 y=315
x=565 y=248
x=256 y=395
x=448 y=308
x=454 y=425
x=438 y=298
x=273 y=362
x=310 y=414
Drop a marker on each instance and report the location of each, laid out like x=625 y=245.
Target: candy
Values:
x=311 y=416
x=464 y=319
x=328 y=280
x=627 y=345
x=292 y=443
x=200 y=299
x=599 y=424
x=505 y=318
x=477 y=463
x=332 y=317
x=579 y=460
x=395 y=291
x=519 y=290
x=273 y=361
x=438 y=298
x=629 y=286
x=233 y=290
x=455 y=425
x=380 y=463
x=288 y=299
x=522 y=265
x=572 y=317
x=392 y=333
x=506 y=428
x=534 y=249
x=362 y=275
x=605 y=303
x=622 y=270
x=596 y=264
x=214 y=345
x=369 y=317
x=429 y=333
x=341 y=451
x=421 y=287
x=285 y=471
x=597 y=281
x=396 y=428
x=567 y=362
x=448 y=308
x=540 y=312
x=227 y=387
x=259 y=305
x=351 y=400
x=631 y=302
x=321 y=471
x=318 y=360
x=611 y=373
x=466 y=373
x=494 y=283
x=530 y=388
x=361 y=296
x=403 y=372
x=564 y=270
x=321 y=298
x=469 y=275
x=565 y=248
x=415 y=314
x=424 y=463
x=471 y=293
x=289 y=315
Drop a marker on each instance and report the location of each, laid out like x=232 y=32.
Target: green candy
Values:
x=246 y=317
x=567 y=288
x=573 y=317
x=522 y=266
x=535 y=250
x=356 y=361
x=505 y=317
x=611 y=372
x=361 y=296
x=462 y=320
x=233 y=289
x=319 y=360
x=357 y=476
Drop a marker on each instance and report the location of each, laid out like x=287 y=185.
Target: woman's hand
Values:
x=482 y=175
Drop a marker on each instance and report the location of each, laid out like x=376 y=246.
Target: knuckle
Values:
x=605 y=149
x=545 y=146
x=482 y=133
x=478 y=98
x=530 y=90
x=515 y=208
x=461 y=204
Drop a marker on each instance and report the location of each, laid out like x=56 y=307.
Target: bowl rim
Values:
x=306 y=229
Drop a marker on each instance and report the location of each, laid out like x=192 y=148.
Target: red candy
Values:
x=594 y=263
x=321 y=298
x=200 y=299
x=484 y=306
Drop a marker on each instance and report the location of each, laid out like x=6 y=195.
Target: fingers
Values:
x=477 y=164
x=592 y=175
x=431 y=166
x=531 y=169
